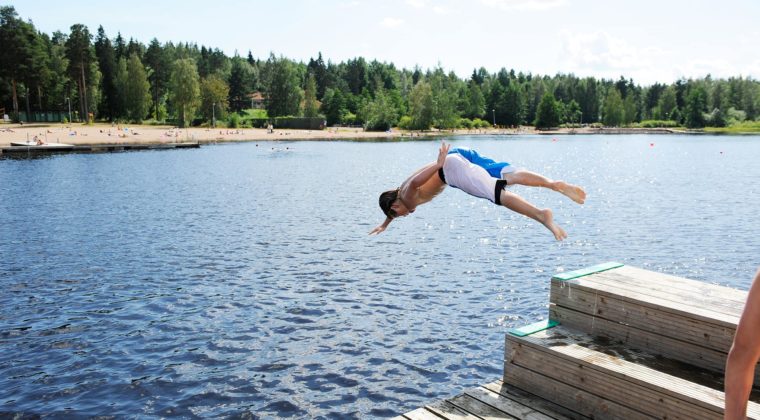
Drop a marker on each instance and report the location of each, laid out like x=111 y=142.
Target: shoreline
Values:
x=100 y=134
x=103 y=133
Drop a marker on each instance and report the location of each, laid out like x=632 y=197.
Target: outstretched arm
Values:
x=743 y=357
x=382 y=227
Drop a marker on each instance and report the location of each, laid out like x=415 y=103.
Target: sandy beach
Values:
x=98 y=134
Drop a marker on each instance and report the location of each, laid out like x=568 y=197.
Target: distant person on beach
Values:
x=478 y=176
x=743 y=356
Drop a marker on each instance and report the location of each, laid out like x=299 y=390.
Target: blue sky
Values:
x=649 y=41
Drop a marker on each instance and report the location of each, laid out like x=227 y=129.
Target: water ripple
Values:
x=223 y=282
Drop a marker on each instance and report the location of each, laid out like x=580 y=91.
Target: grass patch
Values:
x=656 y=124
x=254 y=113
x=736 y=128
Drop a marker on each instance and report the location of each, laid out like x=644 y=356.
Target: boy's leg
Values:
x=518 y=204
x=532 y=179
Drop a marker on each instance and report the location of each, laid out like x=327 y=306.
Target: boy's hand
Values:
x=377 y=230
x=442 y=152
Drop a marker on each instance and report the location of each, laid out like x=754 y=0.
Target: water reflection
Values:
x=232 y=279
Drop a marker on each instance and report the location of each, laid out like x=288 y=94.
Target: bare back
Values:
x=413 y=197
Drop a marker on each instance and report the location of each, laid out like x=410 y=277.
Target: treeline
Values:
x=118 y=80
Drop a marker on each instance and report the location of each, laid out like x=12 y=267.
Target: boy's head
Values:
x=387 y=199
x=392 y=205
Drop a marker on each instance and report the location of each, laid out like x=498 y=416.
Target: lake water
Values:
x=238 y=280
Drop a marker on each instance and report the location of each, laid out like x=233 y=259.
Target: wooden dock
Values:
x=21 y=149
x=620 y=343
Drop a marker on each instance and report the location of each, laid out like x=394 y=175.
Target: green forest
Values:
x=85 y=76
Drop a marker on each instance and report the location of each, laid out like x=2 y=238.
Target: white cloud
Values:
x=719 y=69
x=715 y=67
x=753 y=70
x=417 y=4
x=602 y=55
x=437 y=7
x=390 y=22
x=599 y=50
x=348 y=4
x=524 y=4
x=442 y=10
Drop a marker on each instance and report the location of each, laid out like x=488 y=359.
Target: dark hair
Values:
x=387 y=199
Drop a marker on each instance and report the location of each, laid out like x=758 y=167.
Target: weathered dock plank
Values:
x=543 y=406
x=563 y=356
x=483 y=410
x=638 y=338
x=620 y=343
x=447 y=410
x=495 y=400
x=419 y=414
x=572 y=399
x=694 y=323
x=504 y=405
x=696 y=293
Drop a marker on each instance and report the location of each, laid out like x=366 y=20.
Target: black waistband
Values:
x=500 y=184
x=440 y=174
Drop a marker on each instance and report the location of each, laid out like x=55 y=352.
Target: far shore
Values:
x=100 y=133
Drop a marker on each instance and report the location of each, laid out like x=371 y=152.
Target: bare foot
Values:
x=574 y=192
x=547 y=219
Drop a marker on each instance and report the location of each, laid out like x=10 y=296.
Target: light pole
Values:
x=69 y=102
x=494 y=118
x=213 y=114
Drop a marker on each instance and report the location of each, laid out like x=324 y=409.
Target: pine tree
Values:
x=119 y=47
x=445 y=114
x=696 y=101
x=356 y=75
x=57 y=81
x=121 y=79
x=629 y=109
x=214 y=94
x=318 y=69
x=380 y=114
x=239 y=84
x=107 y=64
x=573 y=112
x=22 y=53
x=158 y=64
x=588 y=100
x=475 y=104
x=513 y=105
x=333 y=106
x=137 y=94
x=421 y=106
x=135 y=47
x=547 y=114
x=613 y=112
x=667 y=104
x=184 y=90
x=282 y=87
x=310 y=106
x=81 y=57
